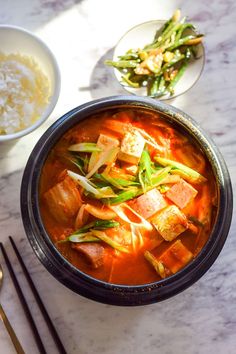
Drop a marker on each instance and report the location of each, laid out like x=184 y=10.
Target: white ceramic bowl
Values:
x=141 y=35
x=15 y=39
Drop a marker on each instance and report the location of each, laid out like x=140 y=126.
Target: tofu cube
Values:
x=131 y=147
x=103 y=142
x=106 y=141
x=131 y=169
x=176 y=257
x=149 y=203
x=170 y=222
x=181 y=193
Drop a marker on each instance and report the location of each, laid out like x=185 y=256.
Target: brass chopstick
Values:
x=11 y=332
x=48 y=321
x=23 y=302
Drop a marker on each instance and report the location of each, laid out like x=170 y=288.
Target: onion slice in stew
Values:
x=81 y=217
x=103 y=213
x=120 y=211
x=103 y=237
x=136 y=237
x=150 y=140
x=106 y=156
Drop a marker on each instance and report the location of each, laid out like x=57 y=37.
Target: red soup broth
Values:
x=161 y=139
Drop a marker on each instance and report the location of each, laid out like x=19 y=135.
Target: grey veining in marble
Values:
x=82 y=34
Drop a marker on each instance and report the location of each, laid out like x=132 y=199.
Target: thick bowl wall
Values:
x=84 y=284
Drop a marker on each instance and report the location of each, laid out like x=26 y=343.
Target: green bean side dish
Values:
x=160 y=65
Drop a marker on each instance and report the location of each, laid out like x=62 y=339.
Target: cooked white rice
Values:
x=24 y=92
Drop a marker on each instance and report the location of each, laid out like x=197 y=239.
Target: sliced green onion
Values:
x=145 y=170
x=79 y=163
x=157 y=265
x=103 y=237
x=133 y=192
x=99 y=182
x=80 y=237
x=84 y=147
x=86 y=237
x=97 y=225
x=119 y=183
x=85 y=233
x=163 y=188
x=119 y=173
x=126 y=183
x=178 y=168
x=99 y=193
x=111 y=180
x=157 y=178
x=123 y=196
x=104 y=157
x=84 y=182
x=106 y=192
x=105 y=224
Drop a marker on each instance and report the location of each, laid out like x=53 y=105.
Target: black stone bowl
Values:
x=86 y=285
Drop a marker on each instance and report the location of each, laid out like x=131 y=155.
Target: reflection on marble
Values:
x=82 y=35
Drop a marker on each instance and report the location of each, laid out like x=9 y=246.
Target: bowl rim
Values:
x=57 y=75
x=164 y=98
x=167 y=287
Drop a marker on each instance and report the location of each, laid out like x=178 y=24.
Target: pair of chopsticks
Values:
x=21 y=296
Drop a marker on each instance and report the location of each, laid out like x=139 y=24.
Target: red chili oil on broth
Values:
x=127 y=198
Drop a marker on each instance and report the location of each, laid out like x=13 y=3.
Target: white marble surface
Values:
x=82 y=33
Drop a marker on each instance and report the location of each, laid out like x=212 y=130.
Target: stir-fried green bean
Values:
x=159 y=65
x=157 y=87
x=177 y=77
x=123 y=63
x=175 y=60
x=183 y=28
x=129 y=56
x=126 y=78
x=180 y=42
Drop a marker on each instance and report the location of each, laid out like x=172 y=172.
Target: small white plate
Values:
x=141 y=35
